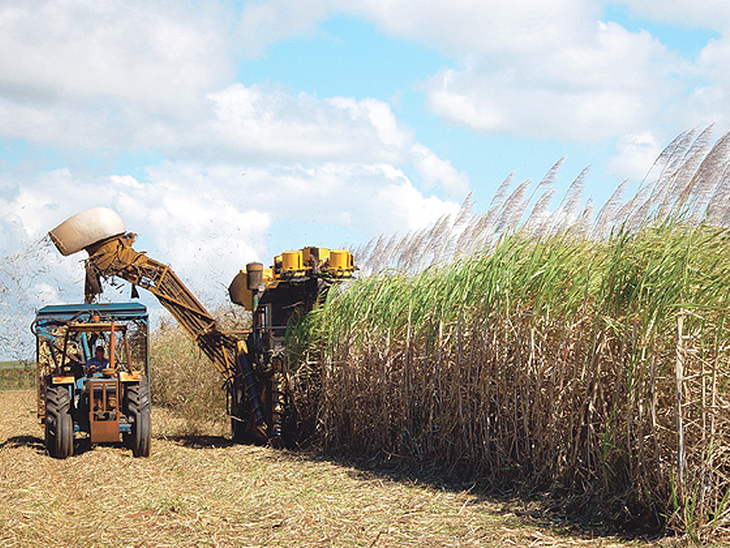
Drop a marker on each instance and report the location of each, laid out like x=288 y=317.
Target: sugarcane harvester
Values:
x=254 y=365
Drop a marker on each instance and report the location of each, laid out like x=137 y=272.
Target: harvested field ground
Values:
x=204 y=491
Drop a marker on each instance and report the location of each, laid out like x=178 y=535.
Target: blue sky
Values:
x=224 y=132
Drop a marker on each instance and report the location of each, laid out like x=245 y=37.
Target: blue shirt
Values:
x=97 y=362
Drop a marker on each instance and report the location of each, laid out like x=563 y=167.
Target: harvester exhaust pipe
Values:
x=254 y=275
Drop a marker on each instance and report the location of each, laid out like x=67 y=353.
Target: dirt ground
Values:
x=204 y=491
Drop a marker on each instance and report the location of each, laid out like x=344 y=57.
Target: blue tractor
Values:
x=104 y=398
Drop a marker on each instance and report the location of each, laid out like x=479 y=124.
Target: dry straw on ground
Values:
x=204 y=491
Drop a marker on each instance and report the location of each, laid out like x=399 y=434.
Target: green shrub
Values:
x=184 y=379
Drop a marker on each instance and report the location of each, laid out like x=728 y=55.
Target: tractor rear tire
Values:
x=59 y=422
x=137 y=408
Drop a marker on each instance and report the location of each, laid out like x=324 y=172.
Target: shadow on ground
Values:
x=36 y=443
x=199 y=441
x=562 y=516
x=32 y=442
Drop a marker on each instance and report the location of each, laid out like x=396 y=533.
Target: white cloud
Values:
x=548 y=69
x=636 y=154
x=480 y=27
x=257 y=123
x=84 y=75
x=456 y=27
x=366 y=199
x=141 y=52
x=402 y=200
x=709 y=101
x=433 y=169
x=135 y=74
x=586 y=92
x=272 y=123
x=265 y=22
x=713 y=14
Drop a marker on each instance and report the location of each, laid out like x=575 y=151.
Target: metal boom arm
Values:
x=116 y=257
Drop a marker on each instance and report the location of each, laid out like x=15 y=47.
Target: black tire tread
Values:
x=137 y=408
x=59 y=422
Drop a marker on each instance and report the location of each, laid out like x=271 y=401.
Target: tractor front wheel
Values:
x=59 y=423
x=137 y=408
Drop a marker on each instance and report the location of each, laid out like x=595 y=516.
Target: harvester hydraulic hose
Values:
x=278 y=400
x=249 y=385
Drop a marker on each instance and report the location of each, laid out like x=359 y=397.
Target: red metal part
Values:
x=104 y=397
x=112 y=354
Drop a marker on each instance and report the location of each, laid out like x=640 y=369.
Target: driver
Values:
x=98 y=362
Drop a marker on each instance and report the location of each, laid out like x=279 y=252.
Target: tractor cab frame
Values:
x=106 y=402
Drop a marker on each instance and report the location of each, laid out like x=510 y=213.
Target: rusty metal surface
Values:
x=63 y=379
x=104 y=397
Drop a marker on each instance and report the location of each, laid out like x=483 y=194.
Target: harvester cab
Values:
x=105 y=400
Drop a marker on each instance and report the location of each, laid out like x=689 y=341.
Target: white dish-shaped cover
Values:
x=86 y=228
